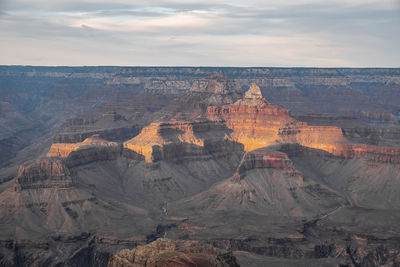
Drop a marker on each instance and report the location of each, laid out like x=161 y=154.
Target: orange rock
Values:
x=161 y=134
x=64 y=149
x=250 y=121
x=177 y=139
x=257 y=123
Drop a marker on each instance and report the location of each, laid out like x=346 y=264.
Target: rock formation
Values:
x=64 y=149
x=165 y=252
x=256 y=124
x=173 y=139
x=45 y=173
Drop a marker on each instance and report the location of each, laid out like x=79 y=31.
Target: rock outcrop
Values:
x=177 y=139
x=165 y=252
x=64 y=149
x=256 y=123
x=265 y=158
x=91 y=154
x=80 y=134
x=46 y=173
x=252 y=97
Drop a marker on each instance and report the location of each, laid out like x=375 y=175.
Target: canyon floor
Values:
x=115 y=166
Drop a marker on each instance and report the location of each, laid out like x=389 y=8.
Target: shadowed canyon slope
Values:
x=164 y=166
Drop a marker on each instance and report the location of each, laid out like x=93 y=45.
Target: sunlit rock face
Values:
x=177 y=139
x=251 y=122
x=255 y=123
x=64 y=149
x=158 y=135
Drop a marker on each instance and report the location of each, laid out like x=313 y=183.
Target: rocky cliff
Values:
x=256 y=123
x=177 y=139
x=64 y=149
x=42 y=174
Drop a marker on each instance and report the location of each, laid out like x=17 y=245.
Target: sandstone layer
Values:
x=174 y=139
x=64 y=149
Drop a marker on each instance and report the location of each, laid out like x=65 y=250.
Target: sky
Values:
x=285 y=33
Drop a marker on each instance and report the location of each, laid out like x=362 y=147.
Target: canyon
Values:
x=147 y=166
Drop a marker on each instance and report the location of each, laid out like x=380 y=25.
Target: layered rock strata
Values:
x=264 y=158
x=220 y=87
x=47 y=173
x=177 y=139
x=165 y=252
x=266 y=182
x=80 y=134
x=255 y=123
x=64 y=149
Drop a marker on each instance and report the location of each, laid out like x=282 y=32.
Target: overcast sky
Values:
x=323 y=33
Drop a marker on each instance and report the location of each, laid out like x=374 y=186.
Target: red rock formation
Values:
x=253 y=122
x=256 y=124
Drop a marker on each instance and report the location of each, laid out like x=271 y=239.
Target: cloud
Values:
x=177 y=32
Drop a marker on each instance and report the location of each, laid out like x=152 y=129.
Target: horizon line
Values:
x=194 y=66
